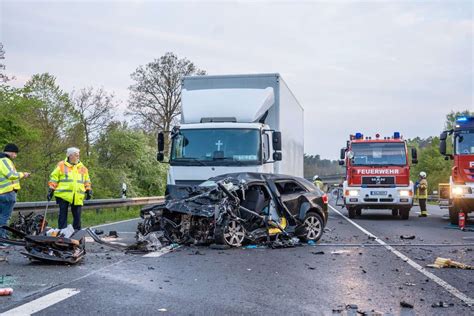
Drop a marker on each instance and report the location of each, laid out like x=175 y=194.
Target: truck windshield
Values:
x=216 y=147
x=379 y=154
x=465 y=143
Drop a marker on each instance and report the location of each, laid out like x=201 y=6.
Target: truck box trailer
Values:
x=236 y=123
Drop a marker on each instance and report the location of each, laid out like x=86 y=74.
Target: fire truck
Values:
x=461 y=181
x=377 y=174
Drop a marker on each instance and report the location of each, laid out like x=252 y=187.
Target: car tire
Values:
x=352 y=212
x=358 y=212
x=404 y=213
x=313 y=227
x=454 y=215
x=230 y=232
x=395 y=212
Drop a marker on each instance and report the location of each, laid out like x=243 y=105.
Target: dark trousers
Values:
x=7 y=201
x=63 y=210
x=422 y=203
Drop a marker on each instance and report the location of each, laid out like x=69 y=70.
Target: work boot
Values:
x=423 y=214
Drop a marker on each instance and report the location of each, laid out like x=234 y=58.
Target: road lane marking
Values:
x=451 y=289
x=41 y=303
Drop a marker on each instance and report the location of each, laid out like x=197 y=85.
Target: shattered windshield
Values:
x=383 y=154
x=465 y=143
x=216 y=147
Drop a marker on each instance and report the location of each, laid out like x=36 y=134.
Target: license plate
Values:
x=378 y=192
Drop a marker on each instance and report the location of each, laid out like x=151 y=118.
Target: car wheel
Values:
x=454 y=215
x=395 y=212
x=352 y=212
x=231 y=233
x=358 y=212
x=312 y=227
x=405 y=213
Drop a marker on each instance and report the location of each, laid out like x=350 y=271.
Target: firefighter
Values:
x=70 y=184
x=318 y=182
x=9 y=185
x=422 y=193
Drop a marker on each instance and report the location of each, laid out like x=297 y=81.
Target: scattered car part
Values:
x=448 y=263
x=407 y=237
x=29 y=224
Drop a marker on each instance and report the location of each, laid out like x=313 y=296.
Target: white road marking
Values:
x=451 y=289
x=159 y=253
x=41 y=303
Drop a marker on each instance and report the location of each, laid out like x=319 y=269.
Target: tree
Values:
x=3 y=77
x=155 y=98
x=95 y=110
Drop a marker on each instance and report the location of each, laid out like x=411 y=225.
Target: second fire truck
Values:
x=377 y=174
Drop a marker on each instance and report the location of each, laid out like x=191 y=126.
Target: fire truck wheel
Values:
x=454 y=215
x=395 y=212
x=404 y=213
x=358 y=212
x=352 y=212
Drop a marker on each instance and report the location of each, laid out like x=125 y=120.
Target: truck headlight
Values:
x=405 y=193
x=456 y=191
x=352 y=192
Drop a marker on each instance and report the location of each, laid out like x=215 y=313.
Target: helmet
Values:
x=316 y=177
x=423 y=174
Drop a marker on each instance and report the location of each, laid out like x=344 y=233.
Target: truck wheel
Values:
x=358 y=212
x=352 y=212
x=404 y=213
x=395 y=212
x=454 y=215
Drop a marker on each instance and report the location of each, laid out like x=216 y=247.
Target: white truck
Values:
x=235 y=123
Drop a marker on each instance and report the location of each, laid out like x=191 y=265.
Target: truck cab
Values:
x=461 y=181
x=377 y=174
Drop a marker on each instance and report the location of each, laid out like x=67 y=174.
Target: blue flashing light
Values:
x=359 y=136
x=396 y=135
x=461 y=119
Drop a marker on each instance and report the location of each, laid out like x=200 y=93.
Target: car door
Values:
x=290 y=192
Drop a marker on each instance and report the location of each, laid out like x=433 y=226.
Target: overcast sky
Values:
x=373 y=66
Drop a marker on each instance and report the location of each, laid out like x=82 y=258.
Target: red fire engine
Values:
x=461 y=182
x=377 y=174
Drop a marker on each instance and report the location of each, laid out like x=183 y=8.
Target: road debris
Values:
x=3 y=259
x=339 y=252
x=441 y=304
x=50 y=249
x=98 y=232
x=409 y=284
x=406 y=304
x=29 y=224
x=6 y=291
x=317 y=252
x=407 y=237
x=448 y=263
x=113 y=234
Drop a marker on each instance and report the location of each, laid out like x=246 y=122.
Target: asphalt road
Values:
x=374 y=273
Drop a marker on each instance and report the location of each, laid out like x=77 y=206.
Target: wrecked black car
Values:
x=238 y=208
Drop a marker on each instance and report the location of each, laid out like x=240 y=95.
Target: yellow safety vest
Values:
x=9 y=177
x=422 y=189
x=319 y=184
x=70 y=182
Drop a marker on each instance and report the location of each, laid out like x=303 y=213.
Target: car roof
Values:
x=256 y=176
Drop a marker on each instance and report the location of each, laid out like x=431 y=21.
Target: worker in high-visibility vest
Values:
x=9 y=185
x=70 y=184
x=422 y=193
x=318 y=182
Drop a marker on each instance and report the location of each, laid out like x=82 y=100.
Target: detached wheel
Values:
x=352 y=212
x=395 y=212
x=405 y=213
x=454 y=215
x=231 y=233
x=312 y=227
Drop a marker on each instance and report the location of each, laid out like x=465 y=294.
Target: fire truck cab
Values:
x=461 y=181
x=377 y=174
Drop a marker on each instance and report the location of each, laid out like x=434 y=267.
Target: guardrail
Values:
x=40 y=206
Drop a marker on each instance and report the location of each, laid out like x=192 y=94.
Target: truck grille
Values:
x=378 y=181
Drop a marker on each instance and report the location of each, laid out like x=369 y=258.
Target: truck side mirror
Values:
x=442 y=147
x=341 y=162
x=160 y=157
x=343 y=154
x=277 y=156
x=276 y=139
x=443 y=135
x=414 y=156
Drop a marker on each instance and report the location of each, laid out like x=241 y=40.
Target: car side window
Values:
x=289 y=187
